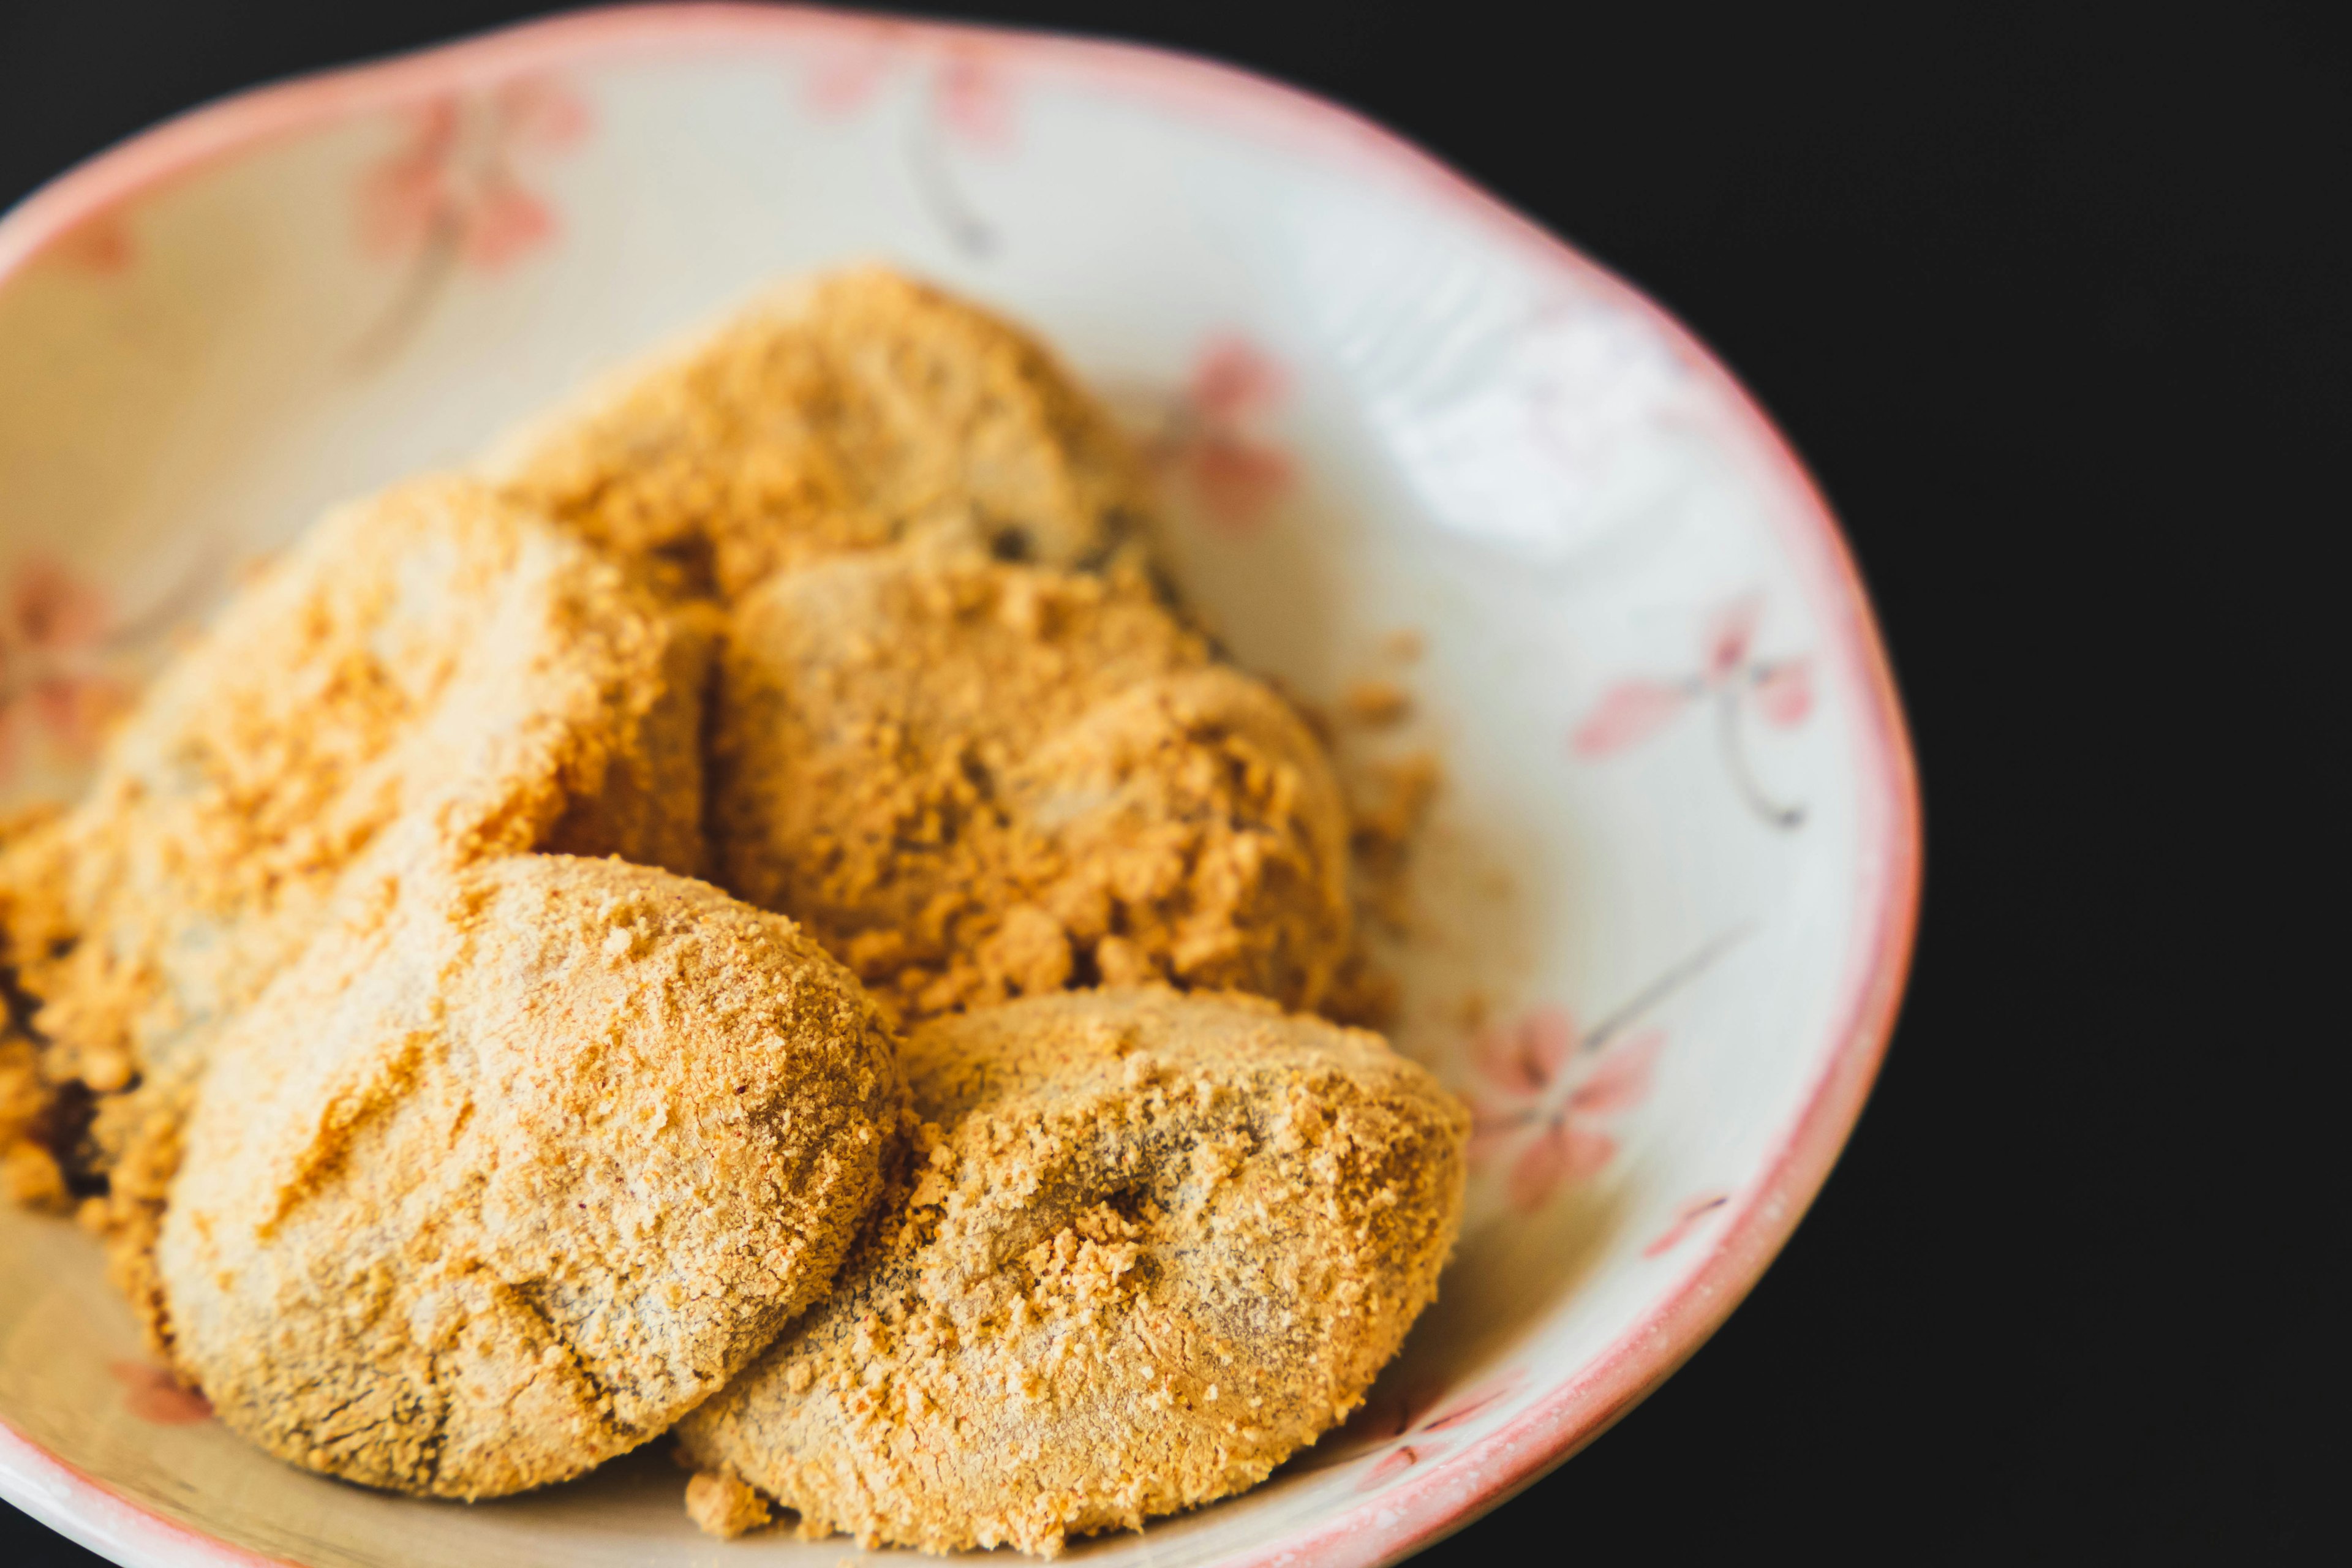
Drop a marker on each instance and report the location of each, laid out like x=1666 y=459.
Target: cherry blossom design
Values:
x=67 y=658
x=1550 y=1090
x=1208 y=441
x=54 y=685
x=452 y=196
x=1410 y=1422
x=1528 y=1063
x=843 y=78
x=973 y=100
x=968 y=105
x=155 y=1396
x=1688 y=1219
x=1731 y=680
x=99 y=246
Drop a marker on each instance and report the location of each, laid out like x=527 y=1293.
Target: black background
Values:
x=2054 y=302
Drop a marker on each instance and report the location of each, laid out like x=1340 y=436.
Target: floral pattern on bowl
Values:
x=1668 y=899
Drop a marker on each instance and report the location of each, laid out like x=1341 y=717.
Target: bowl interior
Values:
x=1655 y=920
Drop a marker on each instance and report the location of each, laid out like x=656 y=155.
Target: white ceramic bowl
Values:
x=1677 y=856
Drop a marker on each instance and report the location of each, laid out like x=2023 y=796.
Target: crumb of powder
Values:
x=1376 y=702
x=722 y=1506
x=29 y=1175
x=1388 y=802
x=1389 y=805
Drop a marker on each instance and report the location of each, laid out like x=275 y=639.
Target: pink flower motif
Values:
x=508 y=223
x=49 y=607
x=100 y=244
x=542 y=114
x=970 y=96
x=452 y=188
x=53 y=633
x=1552 y=1112
x=1619 y=1080
x=405 y=195
x=1730 y=675
x=452 y=194
x=1687 y=1219
x=1238 y=480
x=846 y=72
x=968 y=100
x=153 y=1395
x=1630 y=712
x=1526 y=1056
x=972 y=99
x=1209 y=444
x=1234 y=380
x=843 y=83
x=1784 y=692
x=1728 y=634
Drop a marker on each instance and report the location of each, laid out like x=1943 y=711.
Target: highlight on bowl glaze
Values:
x=1667 y=901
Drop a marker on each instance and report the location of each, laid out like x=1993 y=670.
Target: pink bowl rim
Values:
x=1454 y=1490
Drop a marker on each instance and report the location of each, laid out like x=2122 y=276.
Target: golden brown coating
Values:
x=430 y=676
x=1154 y=1244
x=432 y=653
x=974 y=780
x=851 y=412
x=29 y=1172
x=489 y=1190
x=722 y=1506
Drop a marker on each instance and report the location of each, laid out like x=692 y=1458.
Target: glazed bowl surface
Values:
x=1662 y=913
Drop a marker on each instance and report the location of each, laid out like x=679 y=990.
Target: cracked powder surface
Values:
x=976 y=781
x=430 y=676
x=973 y=778
x=486 y=1191
x=850 y=412
x=1148 y=1245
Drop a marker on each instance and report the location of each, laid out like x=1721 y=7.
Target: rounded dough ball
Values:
x=849 y=412
x=498 y=1187
x=430 y=657
x=1153 y=1244
x=975 y=780
x=428 y=676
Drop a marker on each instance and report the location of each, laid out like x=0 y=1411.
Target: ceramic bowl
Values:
x=1665 y=904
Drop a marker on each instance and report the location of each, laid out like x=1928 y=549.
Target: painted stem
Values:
x=1555 y=1097
x=935 y=182
x=1735 y=762
x=435 y=263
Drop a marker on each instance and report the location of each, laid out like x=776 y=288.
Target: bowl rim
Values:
x=1454 y=1490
